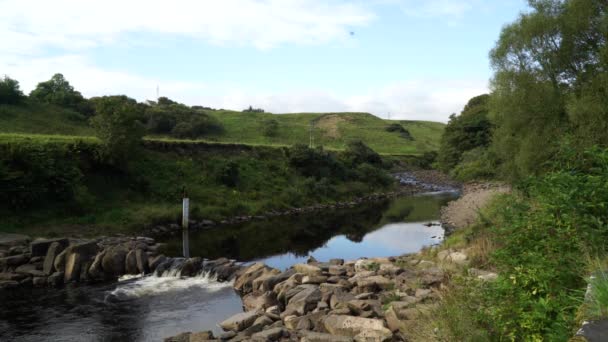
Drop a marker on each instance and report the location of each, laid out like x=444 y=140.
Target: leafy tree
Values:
x=469 y=130
x=357 y=153
x=253 y=110
x=58 y=91
x=315 y=162
x=9 y=91
x=117 y=124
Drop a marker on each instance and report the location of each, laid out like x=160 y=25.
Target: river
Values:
x=151 y=308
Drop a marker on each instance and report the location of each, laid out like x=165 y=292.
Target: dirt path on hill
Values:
x=464 y=211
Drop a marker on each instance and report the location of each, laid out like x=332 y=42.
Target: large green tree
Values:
x=9 y=91
x=117 y=123
x=549 y=83
x=60 y=92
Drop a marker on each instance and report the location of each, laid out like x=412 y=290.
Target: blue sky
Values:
x=412 y=59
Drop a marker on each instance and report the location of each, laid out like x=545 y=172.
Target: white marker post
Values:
x=185 y=211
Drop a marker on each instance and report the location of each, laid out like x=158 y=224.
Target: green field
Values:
x=331 y=130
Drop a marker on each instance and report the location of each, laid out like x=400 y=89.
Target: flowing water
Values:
x=153 y=307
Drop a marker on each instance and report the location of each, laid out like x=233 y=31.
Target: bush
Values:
x=10 y=92
x=395 y=127
x=373 y=175
x=229 y=174
x=270 y=127
x=315 y=163
x=58 y=91
x=357 y=153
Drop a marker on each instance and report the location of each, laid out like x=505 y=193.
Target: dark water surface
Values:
x=151 y=308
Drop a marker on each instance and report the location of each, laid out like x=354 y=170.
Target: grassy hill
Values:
x=331 y=130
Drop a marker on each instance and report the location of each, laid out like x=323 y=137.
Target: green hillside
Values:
x=331 y=130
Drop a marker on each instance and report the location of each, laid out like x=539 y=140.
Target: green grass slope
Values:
x=331 y=130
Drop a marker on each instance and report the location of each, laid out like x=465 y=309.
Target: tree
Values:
x=58 y=91
x=9 y=91
x=469 y=130
x=270 y=127
x=117 y=124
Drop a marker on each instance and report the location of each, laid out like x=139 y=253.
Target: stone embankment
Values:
x=55 y=262
x=381 y=299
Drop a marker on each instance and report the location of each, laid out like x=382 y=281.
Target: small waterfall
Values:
x=175 y=274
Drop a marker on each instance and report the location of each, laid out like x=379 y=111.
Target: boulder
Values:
x=53 y=250
x=142 y=261
x=431 y=276
x=257 y=300
x=352 y=326
x=374 y=283
x=59 y=262
x=307 y=269
x=131 y=263
x=257 y=283
x=340 y=299
x=55 y=279
x=155 y=261
x=201 y=336
x=244 y=281
x=76 y=256
x=313 y=279
x=311 y=336
x=39 y=281
x=13 y=261
x=240 y=321
x=183 y=337
x=40 y=247
x=304 y=301
x=191 y=267
x=113 y=262
x=12 y=276
x=96 y=270
x=273 y=334
x=336 y=262
x=8 y=284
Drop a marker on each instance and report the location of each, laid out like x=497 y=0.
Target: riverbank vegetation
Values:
x=543 y=129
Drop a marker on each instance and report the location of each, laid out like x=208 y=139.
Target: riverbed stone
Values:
x=244 y=281
x=153 y=262
x=12 y=276
x=76 y=256
x=59 y=263
x=273 y=334
x=373 y=283
x=53 y=250
x=55 y=279
x=314 y=279
x=258 y=300
x=304 y=301
x=201 y=336
x=39 y=281
x=113 y=262
x=307 y=269
x=40 y=247
x=96 y=270
x=8 y=284
x=313 y=336
x=352 y=326
x=8 y=240
x=131 y=263
x=240 y=321
x=13 y=261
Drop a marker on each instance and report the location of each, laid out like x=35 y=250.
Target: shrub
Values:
x=270 y=127
x=229 y=174
x=373 y=175
x=357 y=153
x=395 y=127
x=315 y=163
x=58 y=91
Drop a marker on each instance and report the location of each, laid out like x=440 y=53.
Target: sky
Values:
x=403 y=59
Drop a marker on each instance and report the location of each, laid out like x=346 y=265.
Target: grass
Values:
x=331 y=130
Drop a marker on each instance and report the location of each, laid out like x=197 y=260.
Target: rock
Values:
x=374 y=283
x=12 y=276
x=392 y=320
x=201 y=336
x=142 y=261
x=227 y=335
x=13 y=261
x=269 y=283
x=337 y=270
x=76 y=256
x=244 y=281
x=304 y=301
x=191 y=267
x=311 y=260
x=8 y=284
x=59 y=263
x=340 y=299
x=262 y=321
x=458 y=258
x=307 y=269
x=55 y=279
x=310 y=336
x=39 y=281
x=40 y=247
x=273 y=334
x=8 y=240
x=336 y=262
x=431 y=276
x=183 y=337
x=240 y=321
x=53 y=250
x=594 y=331
x=154 y=262
x=257 y=300
x=374 y=335
x=131 y=263
x=26 y=268
x=315 y=279
x=257 y=283
x=96 y=270
x=352 y=326
x=113 y=262
x=359 y=306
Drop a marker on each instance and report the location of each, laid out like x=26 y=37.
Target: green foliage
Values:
x=58 y=91
x=357 y=153
x=229 y=174
x=9 y=91
x=596 y=306
x=551 y=67
x=373 y=175
x=395 y=127
x=475 y=164
x=314 y=162
x=270 y=127
x=469 y=130
x=117 y=124
x=253 y=110
x=543 y=239
x=178 y=120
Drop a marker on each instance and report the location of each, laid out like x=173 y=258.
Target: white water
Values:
x=170 y=281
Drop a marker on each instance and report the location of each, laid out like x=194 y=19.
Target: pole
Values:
x=185 y=219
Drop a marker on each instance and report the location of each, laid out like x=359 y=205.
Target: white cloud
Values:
x=449 y=9
x=27 y=25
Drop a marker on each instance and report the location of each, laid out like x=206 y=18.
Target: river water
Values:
x=151 y=308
